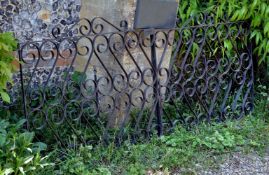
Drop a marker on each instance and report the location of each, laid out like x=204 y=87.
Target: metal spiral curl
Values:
x=87 y=27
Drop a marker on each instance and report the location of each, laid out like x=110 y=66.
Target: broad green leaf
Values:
x=2 y=139
x=28 y=159
x=40 y=146
x=20 y=123
x=8 y=171
x=21 y=170
x=26 y=137
x=5 y=96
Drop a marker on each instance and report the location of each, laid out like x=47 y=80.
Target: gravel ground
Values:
x=240 y=164
x=233 y=164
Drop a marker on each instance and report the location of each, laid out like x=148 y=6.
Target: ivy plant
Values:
x=8 y=44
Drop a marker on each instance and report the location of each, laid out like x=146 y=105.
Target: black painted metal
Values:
x=134 y=82
x=156 y=91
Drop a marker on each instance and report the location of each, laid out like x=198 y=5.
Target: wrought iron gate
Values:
x=94 y=84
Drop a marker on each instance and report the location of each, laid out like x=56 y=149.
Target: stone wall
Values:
x=35 y=19
x=112 y=10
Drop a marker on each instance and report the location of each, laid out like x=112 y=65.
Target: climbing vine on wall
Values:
x=7 y=45
x=256 y=11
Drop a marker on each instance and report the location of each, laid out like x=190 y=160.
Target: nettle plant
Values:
x=8 y=44
x=255 y=11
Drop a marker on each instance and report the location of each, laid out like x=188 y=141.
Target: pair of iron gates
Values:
x=99 y=82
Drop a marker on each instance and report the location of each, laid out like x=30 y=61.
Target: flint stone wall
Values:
x=34 y=19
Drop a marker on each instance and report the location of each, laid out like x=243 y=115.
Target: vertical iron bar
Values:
x=22 y=89
x=250 y=47
x=96 y=91
x=158 y=110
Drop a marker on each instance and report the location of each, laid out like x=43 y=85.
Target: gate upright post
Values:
x=156 y=89
x=22 y=89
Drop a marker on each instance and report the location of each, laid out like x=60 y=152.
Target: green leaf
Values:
x=258 y=37
x=253 y=34
x=5 y=96
x=21 y=170
x=256 y=21
x=26 y=137
x=8 y=171
x=266 y=28
x=28 y=160
x=228 y=45
x=254 y=4
x=2 y=140
x=20 y=123
x=40 y=146
x=235 y=16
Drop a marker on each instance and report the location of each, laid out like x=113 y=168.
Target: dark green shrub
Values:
x=256 y=11
x=18 y=153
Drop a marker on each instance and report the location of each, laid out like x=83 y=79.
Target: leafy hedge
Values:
x=8 y=44
x=256 y=11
